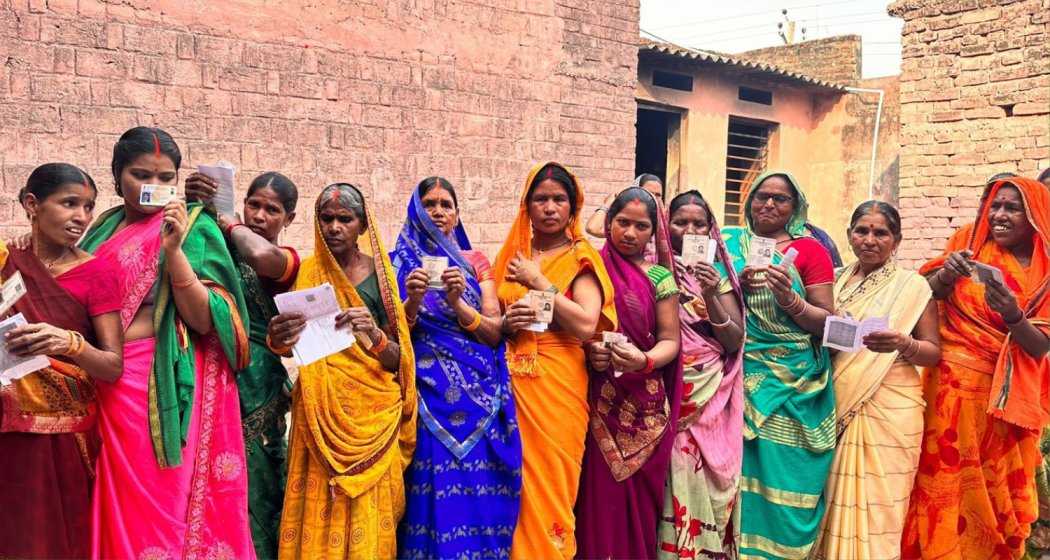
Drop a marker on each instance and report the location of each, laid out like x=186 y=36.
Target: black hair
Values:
x=46 y=179
x=893 y=218
x=142 y=140
x=1044 y=175
x=646 y=177
x=348 y=196
x=631 y=194
x=557 y=173
x=999 y=176
x=283 y=186
x=685 y=199
x=428 y=184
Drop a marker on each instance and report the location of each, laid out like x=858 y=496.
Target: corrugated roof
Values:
x=730 y=60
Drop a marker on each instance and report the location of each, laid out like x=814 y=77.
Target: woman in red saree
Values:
x=47 y=418
x=989 y=397
x=171 y=478
x=635 y=389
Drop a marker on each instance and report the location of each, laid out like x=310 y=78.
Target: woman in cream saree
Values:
x=878 y=393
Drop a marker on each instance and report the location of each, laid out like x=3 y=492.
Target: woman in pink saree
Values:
x=171 y=479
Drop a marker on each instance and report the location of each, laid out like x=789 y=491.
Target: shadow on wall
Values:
x=887 y=186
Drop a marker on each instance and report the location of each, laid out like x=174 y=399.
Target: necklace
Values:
x=51 y=264
x=539 y=251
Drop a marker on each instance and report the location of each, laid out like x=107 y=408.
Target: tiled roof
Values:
x=647 y=45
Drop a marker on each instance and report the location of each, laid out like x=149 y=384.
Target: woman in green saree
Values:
x=789 y=407
x=266 y=269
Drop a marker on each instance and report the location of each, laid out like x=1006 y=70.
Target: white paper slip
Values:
x=542 y=303
x=612 y=337
x=847 y=334
x=435 y=267
x=223 y=173
x=698 y=249
x=789 y=257
x=983 y=273
x=320 y=338
x=157 y=195
x=12 y=290
x=760 y=254
x=14 y=367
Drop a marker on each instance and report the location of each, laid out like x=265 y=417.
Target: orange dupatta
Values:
x=1020 y=393
x=561 y=270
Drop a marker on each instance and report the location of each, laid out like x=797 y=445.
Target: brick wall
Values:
x=975 y=99
x=379 y=92
x=836 y=59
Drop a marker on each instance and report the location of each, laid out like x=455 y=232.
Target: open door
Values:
x=658 y=145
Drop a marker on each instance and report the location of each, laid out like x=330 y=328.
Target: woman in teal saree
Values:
x=789 y=407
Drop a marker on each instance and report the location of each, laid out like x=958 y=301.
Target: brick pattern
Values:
x=975 y=99
x=378 y=92
x=835 y=59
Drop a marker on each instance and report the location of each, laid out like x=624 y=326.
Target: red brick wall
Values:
x=835 y=59
x=975 y=99
x=378 y=92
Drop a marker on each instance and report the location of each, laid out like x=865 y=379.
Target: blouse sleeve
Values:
x=104 y=295
x=813 y=262
x=482 y=268
x=663 y=282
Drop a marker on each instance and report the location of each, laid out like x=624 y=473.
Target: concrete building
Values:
x=714 y=121
x=975 y=101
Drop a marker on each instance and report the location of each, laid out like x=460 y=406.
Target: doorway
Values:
x=658 y=145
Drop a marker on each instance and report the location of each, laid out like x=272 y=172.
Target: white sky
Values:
x=734 y=26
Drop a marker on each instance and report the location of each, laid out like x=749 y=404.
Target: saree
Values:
x=464 y=484
x=264 y=402
x=171 y=474
x=704 y=474
x=789 y=413
x=353 y=429
x=47 y=419
x=549 y=380
x=975 y=494
x=632 y=418
x=878 y=410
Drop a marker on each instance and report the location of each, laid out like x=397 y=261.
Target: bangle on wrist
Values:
x=76 y=344
x=1017 y=321
x=279 y=350
x=650 y=365
x=233 y=226
x=183 y=283
x=726 y=323
x=474 y=323
x=377 y=348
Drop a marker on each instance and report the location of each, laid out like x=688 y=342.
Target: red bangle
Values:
x=650 y=365
x=231 y=227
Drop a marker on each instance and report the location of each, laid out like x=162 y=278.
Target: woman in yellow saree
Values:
x=878 y=393
x=545 y=250
x=353 y=412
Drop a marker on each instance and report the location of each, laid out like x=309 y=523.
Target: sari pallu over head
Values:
x=463 y=383
x=355 y=413
x=521 y=349
x=137 y=249
x=1020 y=393
x=718 y=423
x=785 y=360
x=622 y=418
x=59 y=398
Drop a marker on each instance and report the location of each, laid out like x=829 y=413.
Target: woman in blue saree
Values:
x=467 y=464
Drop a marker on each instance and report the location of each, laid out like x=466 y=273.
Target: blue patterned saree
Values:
x=464 y=484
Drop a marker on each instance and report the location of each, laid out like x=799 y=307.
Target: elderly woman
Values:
x=789 y=412
x=878 y=393
x=975 y=494
x=467 y=435
x=353 y=412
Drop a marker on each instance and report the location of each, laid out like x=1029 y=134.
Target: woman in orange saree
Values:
x=989 y=396
x=545 y=250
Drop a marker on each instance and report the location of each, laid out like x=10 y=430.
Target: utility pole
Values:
x=787 y=32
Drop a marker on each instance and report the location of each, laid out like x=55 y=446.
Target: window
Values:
x=670 y=80
x=746 y=156
x=753 y=95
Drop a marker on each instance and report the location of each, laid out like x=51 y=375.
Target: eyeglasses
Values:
x=763 y=198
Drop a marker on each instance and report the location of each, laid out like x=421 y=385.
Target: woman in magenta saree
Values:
x=171 y=474
x=634 y=392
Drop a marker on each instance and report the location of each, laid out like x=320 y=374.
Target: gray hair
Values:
x=348 y=196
